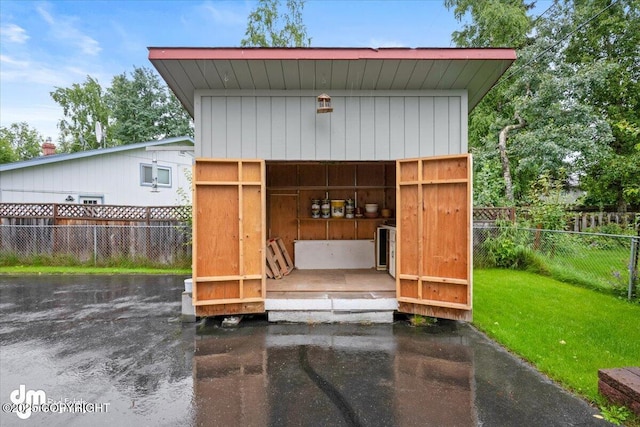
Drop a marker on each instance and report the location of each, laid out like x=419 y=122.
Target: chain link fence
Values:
x=595 y=260
x=148 y=245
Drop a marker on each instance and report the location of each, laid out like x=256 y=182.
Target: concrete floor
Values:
x=119 y=340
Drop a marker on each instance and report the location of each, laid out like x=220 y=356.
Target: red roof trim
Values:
x=195 y=53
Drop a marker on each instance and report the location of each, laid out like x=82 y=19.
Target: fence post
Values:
x=95 y=245
x=633 y=265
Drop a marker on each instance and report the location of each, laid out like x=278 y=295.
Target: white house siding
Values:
x=113 y=176
x=284 y=125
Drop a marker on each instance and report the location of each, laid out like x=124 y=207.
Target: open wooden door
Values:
x=229 y=237
x=434 y=221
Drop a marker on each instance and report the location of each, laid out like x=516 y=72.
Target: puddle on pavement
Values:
x=118 y=340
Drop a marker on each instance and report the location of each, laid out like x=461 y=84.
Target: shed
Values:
x=395 y=136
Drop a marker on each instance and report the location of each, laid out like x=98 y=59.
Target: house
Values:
x=279 y=128
x=139 y=174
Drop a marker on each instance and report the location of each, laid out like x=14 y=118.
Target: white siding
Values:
x=283 y=125
x=114 y=176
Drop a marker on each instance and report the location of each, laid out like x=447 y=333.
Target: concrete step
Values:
x=331 y=310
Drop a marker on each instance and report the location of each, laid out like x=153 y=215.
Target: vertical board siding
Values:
x=352 y=132
x=248 y=132
x=338 y=131
x=396 y=127
x=441 y=127
x=293 y=131
x=286 y=127
x=412 y=129
x=308 y=131
x=367 y=131
x=263 y=128
x=381 y=128
x=234 y=127
x=427 y=126
x=278 y=129
x=218 y=129
x=455 y=126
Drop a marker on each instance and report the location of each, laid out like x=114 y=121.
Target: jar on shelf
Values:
x=350 y=208
x=315 y=208
x=325 y=208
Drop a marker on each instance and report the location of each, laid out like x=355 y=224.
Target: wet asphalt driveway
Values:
x=113 y=347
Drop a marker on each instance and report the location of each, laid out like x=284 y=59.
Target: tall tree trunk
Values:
x=504 y=159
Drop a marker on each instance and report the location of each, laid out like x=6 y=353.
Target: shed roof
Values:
x=54 y=158
x=186 y=69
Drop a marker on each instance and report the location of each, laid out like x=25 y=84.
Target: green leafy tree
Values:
x=83 y=105
x=611 y=39
x=494 y=23
x=175 y=119
x=7 y=155
x=143 y=109
x=136 y=108
x=18 y=142
x=538 y=117
x=269 y=26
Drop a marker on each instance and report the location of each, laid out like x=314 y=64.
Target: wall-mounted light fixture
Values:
x=324 y=104
x=69 y=198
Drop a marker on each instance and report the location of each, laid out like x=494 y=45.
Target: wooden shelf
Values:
x=291 y=187
x=331 y=187
x=345 y=219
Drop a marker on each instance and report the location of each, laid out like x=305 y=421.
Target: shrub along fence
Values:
x=596 y=260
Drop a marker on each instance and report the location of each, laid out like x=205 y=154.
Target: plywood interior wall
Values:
x=291 y=186
x=230 y=234
x=434 y=243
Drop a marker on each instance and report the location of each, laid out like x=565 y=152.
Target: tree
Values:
x=83 y=106
x=142 y=109
x=136 y=108
x=267 y=28
x=19 y=142
x=537 y=117
x=494 y=23
x=611 y=38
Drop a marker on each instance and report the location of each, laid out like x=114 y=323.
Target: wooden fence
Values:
x=577 y=221
x=97 y=233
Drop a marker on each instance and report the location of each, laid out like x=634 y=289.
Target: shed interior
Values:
x=291 y=187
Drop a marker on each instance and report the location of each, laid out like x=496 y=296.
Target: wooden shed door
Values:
x=229 y=236
x=434 y=221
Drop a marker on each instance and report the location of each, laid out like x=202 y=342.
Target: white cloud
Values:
x=16 y=71
x=223 y=16
x=64 y=28
x=14 y=33
x=385 y=43
x=7 y=60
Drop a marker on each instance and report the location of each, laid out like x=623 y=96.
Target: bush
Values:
x=511 y=249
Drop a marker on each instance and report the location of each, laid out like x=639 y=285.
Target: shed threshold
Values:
x=332 y=296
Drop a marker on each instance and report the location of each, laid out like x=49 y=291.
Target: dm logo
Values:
x=26 y=399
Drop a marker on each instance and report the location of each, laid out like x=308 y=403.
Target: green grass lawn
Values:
x=591 y=267
x=567 y=332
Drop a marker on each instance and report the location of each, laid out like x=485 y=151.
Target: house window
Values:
x=90 y=200
x=163 y=175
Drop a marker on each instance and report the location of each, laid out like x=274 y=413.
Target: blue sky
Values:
x=49 y=44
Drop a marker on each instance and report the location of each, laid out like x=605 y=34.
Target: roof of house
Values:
x=54 y=158
x=188 y=69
